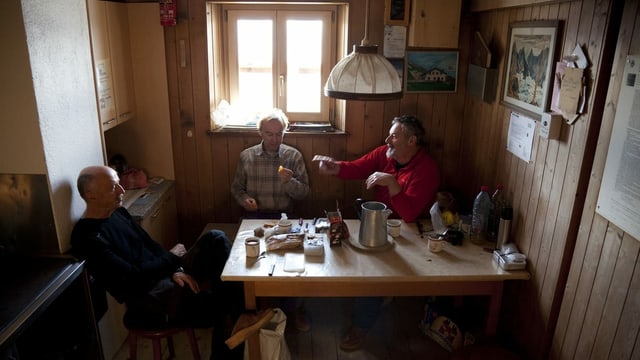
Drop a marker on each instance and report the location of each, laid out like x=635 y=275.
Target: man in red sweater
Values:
x=405 y=178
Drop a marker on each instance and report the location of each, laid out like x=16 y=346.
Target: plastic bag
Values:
x=273 y=345
x=133 y=179
x=436 y=219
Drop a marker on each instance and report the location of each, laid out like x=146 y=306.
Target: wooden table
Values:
x=407 y=268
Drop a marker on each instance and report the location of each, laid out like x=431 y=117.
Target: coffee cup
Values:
x=393 y=227
x=284 y=226
x=436 y=243
x=252 y=246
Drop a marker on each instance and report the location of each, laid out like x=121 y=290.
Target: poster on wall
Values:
x=619 y=198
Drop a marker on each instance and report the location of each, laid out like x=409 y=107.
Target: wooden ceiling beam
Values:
x=484 y=5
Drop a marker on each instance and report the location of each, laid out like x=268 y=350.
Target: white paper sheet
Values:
x=520 y=137
x=619 y=198
x=395 y=38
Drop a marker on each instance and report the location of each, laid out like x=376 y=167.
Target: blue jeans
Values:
x=366 y=311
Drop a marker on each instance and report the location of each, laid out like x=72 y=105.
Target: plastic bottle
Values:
x=480 y=216
x=499 y=201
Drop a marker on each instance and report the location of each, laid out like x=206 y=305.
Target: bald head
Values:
x=88 y=176
x=100 y=188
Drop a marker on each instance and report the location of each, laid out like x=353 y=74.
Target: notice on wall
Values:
x=105 y=91
x=520 y=136
x=395 y=38
x=619 y=198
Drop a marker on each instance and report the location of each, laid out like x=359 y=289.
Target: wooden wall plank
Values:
x=623 y=266
x=206 y=174
x=598 y=294
x=586 y=255
x=627 y=331
x=190 y=195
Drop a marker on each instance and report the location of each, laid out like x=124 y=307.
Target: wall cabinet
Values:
x=435 y=23
x=109 y=26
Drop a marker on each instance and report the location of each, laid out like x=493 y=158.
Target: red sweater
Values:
x=419 y=180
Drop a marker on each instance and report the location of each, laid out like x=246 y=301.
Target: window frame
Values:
x=220 y=77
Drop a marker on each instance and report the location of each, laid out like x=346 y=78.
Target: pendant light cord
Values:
x=365 y=40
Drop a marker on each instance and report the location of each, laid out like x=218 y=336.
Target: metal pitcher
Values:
x=373 y=224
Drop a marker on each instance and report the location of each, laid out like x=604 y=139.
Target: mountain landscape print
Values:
x=530 y=56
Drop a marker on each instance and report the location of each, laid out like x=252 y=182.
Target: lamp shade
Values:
x=364 y=75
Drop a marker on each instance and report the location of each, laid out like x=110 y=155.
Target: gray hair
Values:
x=411 y=126
x=84 y=182
x=274 y=114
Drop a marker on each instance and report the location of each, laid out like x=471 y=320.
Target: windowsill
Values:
x=230 y=130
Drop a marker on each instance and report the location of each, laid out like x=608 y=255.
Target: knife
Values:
x=272 y=268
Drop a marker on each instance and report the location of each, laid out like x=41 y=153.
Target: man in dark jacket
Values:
x=160 y=288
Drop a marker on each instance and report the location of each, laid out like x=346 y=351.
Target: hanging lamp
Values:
x=364 y=74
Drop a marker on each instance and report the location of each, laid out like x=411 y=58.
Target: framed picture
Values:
x=431 y=71
x=396 y=12
x=528 y=71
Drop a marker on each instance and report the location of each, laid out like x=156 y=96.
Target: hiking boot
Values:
x=301 y=320
x=354 y=339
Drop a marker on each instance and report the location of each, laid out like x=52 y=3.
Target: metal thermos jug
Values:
x=373 y=224
x=504 y=227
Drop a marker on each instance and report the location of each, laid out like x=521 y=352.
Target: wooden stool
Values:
x=156 y=335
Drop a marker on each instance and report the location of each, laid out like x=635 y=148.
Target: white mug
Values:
x=436 y=243
x=393 y=227
x=252 y=246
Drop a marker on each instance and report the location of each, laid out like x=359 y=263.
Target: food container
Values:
x=510 y=261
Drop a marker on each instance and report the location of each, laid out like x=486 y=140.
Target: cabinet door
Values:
x=162 y=223
x=118 y=25
x=102 y=63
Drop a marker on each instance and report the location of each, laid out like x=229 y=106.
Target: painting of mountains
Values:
x=431 y=71
x=528 y=73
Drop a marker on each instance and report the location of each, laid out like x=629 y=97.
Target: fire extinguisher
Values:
x=168 y=12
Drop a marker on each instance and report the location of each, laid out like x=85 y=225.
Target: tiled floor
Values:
x=395 y=336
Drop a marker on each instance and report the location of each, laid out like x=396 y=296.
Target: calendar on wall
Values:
x=619 y=198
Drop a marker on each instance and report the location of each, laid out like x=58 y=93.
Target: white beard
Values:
x=390 y=152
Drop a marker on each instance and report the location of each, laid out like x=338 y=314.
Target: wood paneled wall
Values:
x=467 y=137
x=550 y=192
x=600 y=312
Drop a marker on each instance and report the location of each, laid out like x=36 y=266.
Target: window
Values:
x=264 y=56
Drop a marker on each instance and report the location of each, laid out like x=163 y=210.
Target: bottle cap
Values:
x=484 y=188
x=499 y=186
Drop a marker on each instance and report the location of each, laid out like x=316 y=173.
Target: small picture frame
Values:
x=396 y=12
x=431 y=70
x=528 y=74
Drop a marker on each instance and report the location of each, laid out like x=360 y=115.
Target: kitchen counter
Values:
x=31 y=286
x=140 y=202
